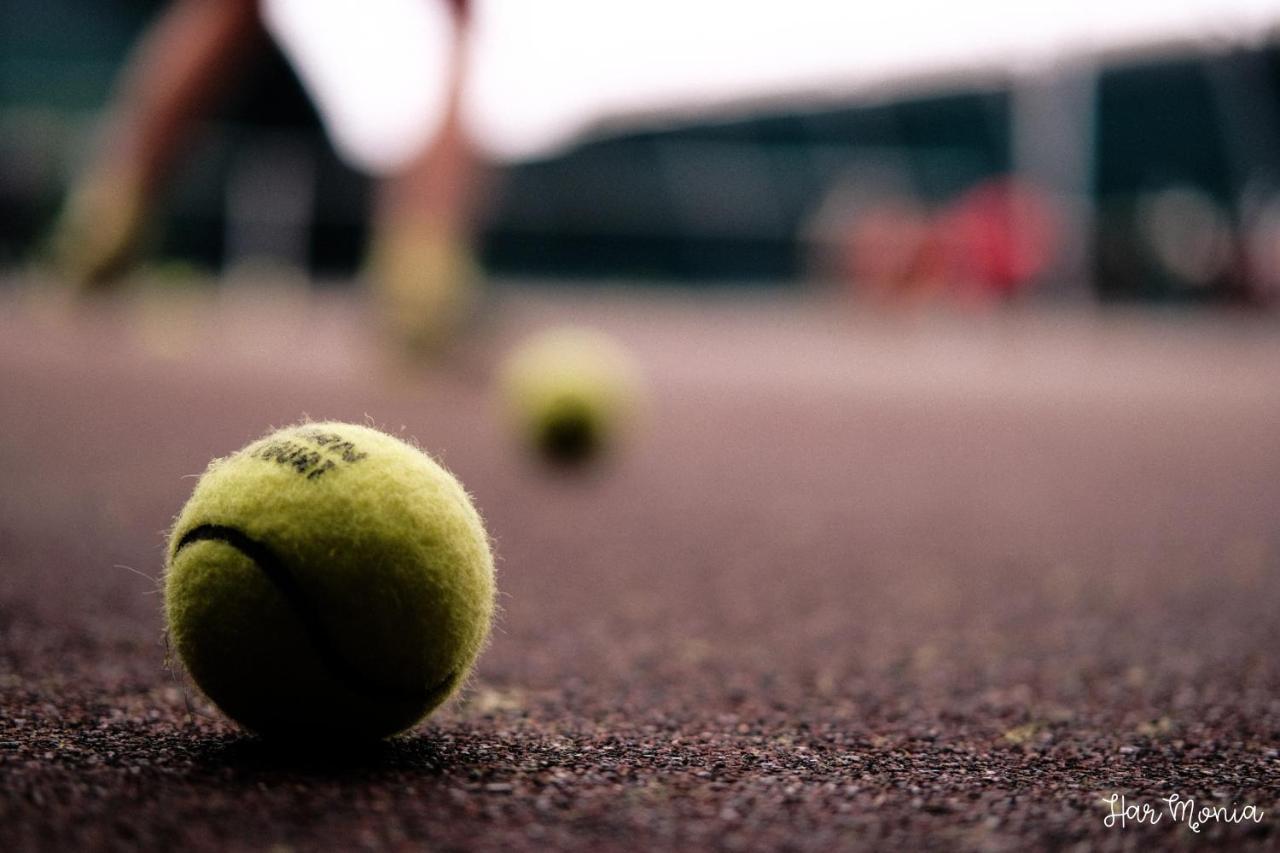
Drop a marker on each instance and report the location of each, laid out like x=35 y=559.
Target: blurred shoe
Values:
x=426 y=284
x=97 y=236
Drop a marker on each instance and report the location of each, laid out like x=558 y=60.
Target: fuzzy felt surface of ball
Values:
x=328 y=580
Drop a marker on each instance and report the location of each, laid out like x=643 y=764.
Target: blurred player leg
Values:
x=180 y=65
x=423 y=256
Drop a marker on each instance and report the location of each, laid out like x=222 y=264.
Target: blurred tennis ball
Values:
x=170 y=309
x=571 y=393
x=175 y=274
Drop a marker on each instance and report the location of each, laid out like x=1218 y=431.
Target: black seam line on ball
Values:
x=270 y=564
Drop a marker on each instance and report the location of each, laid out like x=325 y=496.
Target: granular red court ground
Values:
x=854 y=583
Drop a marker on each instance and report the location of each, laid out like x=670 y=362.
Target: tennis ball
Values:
x=328 y=579
x=570 y=393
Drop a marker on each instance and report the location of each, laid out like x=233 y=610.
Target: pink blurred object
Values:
x=1002 y=234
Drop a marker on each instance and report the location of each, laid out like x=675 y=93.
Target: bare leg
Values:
x=422 y=257
x=181 y=64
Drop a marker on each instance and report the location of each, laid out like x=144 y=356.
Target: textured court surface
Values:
x=882 y=584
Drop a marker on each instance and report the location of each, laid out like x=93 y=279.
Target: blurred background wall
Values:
x=1172 y=191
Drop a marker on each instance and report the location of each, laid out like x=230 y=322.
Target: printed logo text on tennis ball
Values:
x=310 y=463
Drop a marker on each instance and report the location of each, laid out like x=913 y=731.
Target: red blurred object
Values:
x=1002 y=234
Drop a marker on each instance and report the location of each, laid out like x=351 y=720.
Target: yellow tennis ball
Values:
x=571 y=393
x=328 y=579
